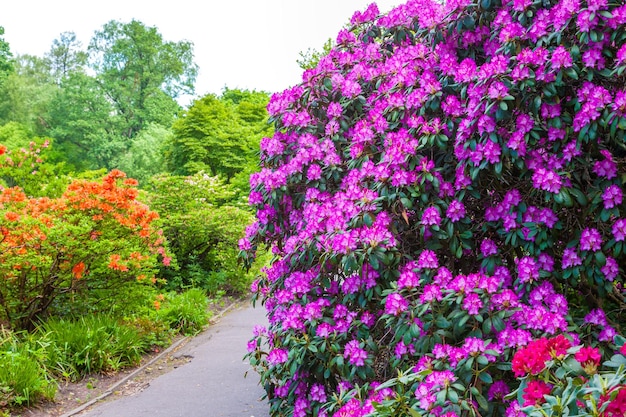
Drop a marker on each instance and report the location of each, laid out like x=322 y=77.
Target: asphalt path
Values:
x=212 y=384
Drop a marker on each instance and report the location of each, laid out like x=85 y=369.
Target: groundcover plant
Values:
x=444 y=200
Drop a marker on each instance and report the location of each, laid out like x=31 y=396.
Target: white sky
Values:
x=248 y=44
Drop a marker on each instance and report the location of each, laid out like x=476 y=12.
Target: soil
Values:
x=71 y=396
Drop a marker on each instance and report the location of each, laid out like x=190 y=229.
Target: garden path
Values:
x=213 y=383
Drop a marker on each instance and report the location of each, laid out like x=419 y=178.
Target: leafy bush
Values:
x=23 y=378
x=443 y=191
x=202 y=221
x=86 y=245
x=93 y=344
x=185 y=312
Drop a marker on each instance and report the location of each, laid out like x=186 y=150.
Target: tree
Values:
x=66 y=56
x=144 y=157
x=82 y=120
x=219 y=135
x=444 y=197
x=26 y=93
x=6 y=64
x=141 y=73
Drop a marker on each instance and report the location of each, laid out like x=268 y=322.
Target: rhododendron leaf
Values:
x=485 y=377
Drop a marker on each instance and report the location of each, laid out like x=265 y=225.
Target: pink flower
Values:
x=431 y=217
x=395 y=304
x=456 y=211
x=277 y=356
x=488 y=247
x=590 y=239
x=612 y=196
x=353 y=352
x=531 y=359
x=619 y=230
x=589 y=357
x=534 y=393
x=570 y=258
x=527 y=269
x=544 y=179
x=561 y=58
x=427 y=259
x=610 y=269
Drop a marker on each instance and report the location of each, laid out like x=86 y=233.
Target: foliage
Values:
x=186 y=312
x=310 y=58
x=26 y=93
x=141 y=73
x=66 y=56
x=92 y=344
x=23 y=164
x=93 y=240
x=443 y=190
x=23 y=378
x=219 y=135
x=202 y=220
x=144 y=157
x=6 y=64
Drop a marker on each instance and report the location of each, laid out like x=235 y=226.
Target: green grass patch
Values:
x=186 y=312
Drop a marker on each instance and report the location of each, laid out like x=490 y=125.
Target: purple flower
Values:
x=408 y=277
x=431 y=217
x=472 y=303
x=488 y=248
x=427 y=259
x=606 y=168
x=596 y=317
x=544 y=179
x=432 y=292
x=612 y=196
x=561 y=58
x=395 y=304
x=498 y=390
x=353 y=352
x=456 y=211
x=318 y=393
x=335 y=110
x=610 y=269
x=570 y=258
x=527 y=269
x=607 y=334
x=619 y=230
x=277 y=356
x=590 y=239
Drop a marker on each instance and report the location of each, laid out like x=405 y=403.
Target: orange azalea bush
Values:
x=95 y=238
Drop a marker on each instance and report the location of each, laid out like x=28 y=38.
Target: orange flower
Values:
x=3 y=149
x=12 y=217
x=78 y=270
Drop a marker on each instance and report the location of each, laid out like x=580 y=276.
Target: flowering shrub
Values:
x=95 y=238
x=444 y=199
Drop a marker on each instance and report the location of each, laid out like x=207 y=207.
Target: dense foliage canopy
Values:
x=444 y=199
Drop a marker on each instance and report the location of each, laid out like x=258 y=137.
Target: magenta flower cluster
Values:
x=443 y=188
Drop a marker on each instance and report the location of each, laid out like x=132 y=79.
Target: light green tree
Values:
x=140 y=73
x=219 y=135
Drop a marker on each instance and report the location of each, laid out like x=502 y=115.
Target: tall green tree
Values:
x=66 y=56
x=141 y=73
x=6 y=65
x=84 y=124
x=26 y=93
x=219 y=135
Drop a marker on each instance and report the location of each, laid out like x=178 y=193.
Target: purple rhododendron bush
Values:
x=444 y=199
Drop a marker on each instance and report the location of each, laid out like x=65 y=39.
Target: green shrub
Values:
x=93 y=344
x=186 y=312
x=202 y=221
x=23 y=378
